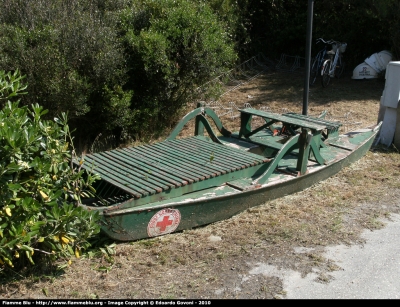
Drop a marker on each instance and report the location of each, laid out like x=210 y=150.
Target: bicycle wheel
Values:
x=314 y=71
x=325 y=73
x=339 y=68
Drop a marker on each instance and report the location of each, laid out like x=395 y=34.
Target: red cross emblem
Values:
x=163 y=222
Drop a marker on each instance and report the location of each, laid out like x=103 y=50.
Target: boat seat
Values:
x=332 y=127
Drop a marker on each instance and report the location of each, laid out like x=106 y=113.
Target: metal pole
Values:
x=308 y=55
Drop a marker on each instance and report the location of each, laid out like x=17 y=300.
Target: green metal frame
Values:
x=308 y=142
x=201 y=122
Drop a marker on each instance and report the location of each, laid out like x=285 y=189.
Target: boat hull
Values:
x=145 y=222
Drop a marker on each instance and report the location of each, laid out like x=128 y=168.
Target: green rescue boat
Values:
x=152 y=190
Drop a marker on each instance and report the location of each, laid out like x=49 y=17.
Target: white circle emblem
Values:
x=163 y=222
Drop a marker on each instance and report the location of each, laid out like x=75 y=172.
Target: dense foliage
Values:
x=120 y=67
x=71 y=56
x=173 y=47
x=38 y=184
x=126 y=67
x=276 y=27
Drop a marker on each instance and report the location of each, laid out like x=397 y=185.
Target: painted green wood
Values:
x=133 y=174
x=237 y=143
x=178 y=176
x=269 y=141
x=212 y=205
x=192 y=189
x=198 y=126
x=233 y=158
x=242 y=184
x=235 y=153
x=315 y=149
x=196 y=148
x=165 y=158
x=245 y=124
x=130 y=170
x=286 y=148
x=204 y=122
x=342 y=142
x=124 y=187
x=199 y=111
x=217 y=122
x=115 y=175
x=230 y=154
x=284 y=119
x=196 y=159
x=208 y=155
x=329 y=124
x=149 y=166
x=261 y=128
x=188 y=117
x=126 y=178
x=154 y=166
x=304 y=151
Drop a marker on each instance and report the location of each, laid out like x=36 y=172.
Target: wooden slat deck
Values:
x=151 y=169
x=320 y=121
x=301 y=121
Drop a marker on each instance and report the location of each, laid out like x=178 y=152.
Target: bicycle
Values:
x=334 y=66
x=315 y=68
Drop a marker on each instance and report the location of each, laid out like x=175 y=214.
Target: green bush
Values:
x=39 y=186
x=118 y=67
x=172 y=47
x=72 y=58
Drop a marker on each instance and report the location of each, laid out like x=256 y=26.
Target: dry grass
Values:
x=189 y=265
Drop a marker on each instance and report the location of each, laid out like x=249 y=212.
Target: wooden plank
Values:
x=151 y=169
x=205 y=149
x=203 y=164
x=266 y=141
x=319 y=121
x=135 y=174
x=237 y=143
x=166 y=156
x=224 y=156
x=284 y=119
x=145 y=165
x=243 y=184
x=343 y=143
x=127 y=188
x=180 y=150
x=124 y=178
x=205 y=154
x=234 y=152
x=237 y=155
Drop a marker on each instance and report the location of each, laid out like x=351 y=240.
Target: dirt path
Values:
x=367 y=271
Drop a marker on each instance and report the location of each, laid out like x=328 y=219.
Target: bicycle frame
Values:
x=321 y=56
x=333 y=64
x=318 y=61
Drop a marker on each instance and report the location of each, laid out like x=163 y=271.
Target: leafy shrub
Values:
x=39 y=186
x=173 y=47
x=72 y=58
